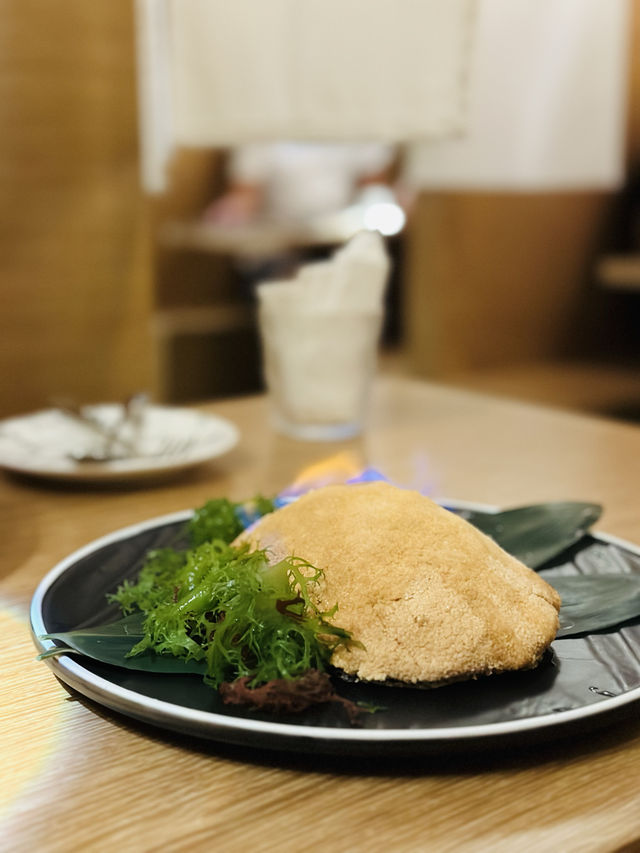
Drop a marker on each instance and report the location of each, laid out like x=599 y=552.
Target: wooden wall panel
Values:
x=497 y=278
x=74 y=259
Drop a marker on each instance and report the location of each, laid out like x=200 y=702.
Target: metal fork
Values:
x=174 y=446
x=171 y=447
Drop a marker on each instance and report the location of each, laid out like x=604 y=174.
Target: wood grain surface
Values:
x=76 y=777
x=74 y=243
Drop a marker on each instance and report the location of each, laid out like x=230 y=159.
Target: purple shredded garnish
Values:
x=292 y=696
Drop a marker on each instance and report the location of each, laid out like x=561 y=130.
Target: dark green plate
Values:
x=581 y=683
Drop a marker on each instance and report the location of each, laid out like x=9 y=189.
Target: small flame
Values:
x=341 y=468
x=369 y=475
x=333 y=469
x=346 y=468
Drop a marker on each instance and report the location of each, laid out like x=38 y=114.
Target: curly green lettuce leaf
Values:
x=228 y=607
x=221 y=518
x=155 y=582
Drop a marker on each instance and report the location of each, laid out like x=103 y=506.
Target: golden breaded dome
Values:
x=430 y=597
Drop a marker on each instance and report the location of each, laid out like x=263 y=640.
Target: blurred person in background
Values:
x=290 y=185
x=296 y=182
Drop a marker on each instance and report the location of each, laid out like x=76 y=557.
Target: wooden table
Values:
x=76 y=777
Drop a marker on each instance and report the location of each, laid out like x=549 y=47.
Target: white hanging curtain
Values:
x=547 y=101
x=226 y=72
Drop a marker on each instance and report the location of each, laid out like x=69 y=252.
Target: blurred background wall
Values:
x=507 y=290
x=75 y=278
x=94 y=305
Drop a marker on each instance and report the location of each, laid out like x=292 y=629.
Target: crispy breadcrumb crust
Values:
x=430 y=597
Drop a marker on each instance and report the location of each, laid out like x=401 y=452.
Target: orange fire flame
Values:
x=334 y=469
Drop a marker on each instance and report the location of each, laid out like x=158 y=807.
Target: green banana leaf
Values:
x=589 y=603
x=534 y=534
x=110 y=643
x=594 y=602
x=537 y=534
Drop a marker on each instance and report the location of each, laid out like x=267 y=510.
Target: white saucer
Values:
x=49 y=443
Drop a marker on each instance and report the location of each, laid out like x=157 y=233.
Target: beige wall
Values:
x=494 y=279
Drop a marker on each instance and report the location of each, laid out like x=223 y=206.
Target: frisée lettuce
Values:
x=226 y=606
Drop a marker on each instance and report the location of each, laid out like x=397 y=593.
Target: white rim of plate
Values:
x=154 y=710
